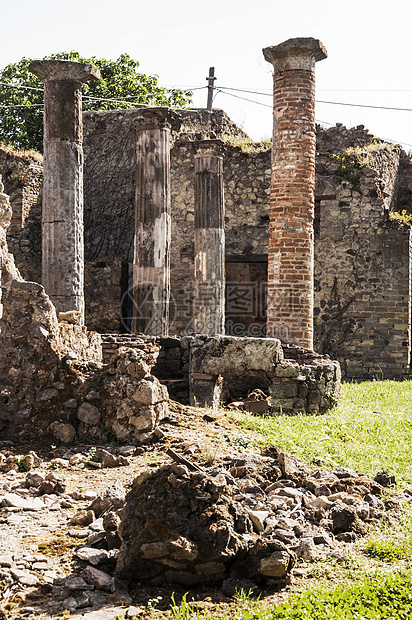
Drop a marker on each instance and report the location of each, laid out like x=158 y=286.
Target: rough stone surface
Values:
x=187 y=527
x=361 y=297
x=313 y=385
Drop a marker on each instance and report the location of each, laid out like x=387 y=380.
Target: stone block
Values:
x=63 y=432
x=148 y=393
x=144 y=419
x=231 y=355
x=287 y=389
x=89 y=414
x=287 y=368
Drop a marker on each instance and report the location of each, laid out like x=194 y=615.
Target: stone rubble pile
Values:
x=244 y=522
x=249 y=520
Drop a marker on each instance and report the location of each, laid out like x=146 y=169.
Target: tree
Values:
x=21 y=95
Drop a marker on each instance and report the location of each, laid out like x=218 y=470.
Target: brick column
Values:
x=151 y=264
x=290 y=269
x=209 y=286
x=62 y=213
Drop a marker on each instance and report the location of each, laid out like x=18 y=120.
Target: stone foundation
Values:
x=309 y=387
x=206 y=371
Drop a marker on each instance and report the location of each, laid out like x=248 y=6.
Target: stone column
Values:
x=209 y=285
x=290 y=269
x=151 y=264
x=62 y=214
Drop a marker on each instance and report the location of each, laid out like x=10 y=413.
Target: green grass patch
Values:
x=369 y=431
x=381 y=598
x=389 y=598
x=388 y=550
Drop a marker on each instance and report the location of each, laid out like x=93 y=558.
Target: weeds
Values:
x=29 y=154
x=247 y=145
x=402 y=218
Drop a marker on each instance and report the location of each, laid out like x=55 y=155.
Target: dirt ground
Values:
x=199 y=435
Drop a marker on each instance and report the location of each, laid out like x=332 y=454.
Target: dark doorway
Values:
x=246 y=284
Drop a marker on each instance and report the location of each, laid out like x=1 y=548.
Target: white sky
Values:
x=368 y=43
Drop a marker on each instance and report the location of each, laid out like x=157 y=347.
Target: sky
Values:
x=368 y=44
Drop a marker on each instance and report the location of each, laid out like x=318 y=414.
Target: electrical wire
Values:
x=360 y=105
x=19 y=87
x=265 y=105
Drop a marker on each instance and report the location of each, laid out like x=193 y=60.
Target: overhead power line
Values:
x=265 y=105
x=361 y=105
x=19 y=87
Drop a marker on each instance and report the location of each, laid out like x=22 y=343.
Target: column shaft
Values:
x=291 y=249
x=62 y=211
x=209 y=285
x=151 y=265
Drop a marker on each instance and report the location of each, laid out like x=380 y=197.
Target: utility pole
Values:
x=210 y=88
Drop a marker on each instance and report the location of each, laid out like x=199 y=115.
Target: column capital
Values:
x=209 y=147
x=67 y=70
x=299 y=53
x=155 y=118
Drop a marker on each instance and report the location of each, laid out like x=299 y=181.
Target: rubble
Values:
x=244 y=521
x=249 y=519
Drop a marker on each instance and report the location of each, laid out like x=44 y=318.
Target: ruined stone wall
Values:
x=362 y=292
x=246 y=187
x=109 y=190
x=362 y=262
x=22 y=178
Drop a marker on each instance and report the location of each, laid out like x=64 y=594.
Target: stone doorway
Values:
x=246 y=284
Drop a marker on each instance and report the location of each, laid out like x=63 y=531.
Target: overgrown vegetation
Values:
x=22 y=153
x=353 y=159
x=400 y=219
x=247 y=145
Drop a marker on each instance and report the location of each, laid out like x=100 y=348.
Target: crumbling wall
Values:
x=51 y=373
x=22 y=178
x=362 y=262
x=362 y=293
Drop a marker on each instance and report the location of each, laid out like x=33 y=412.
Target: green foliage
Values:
x=23 y=465
x=387 y=550
x=185 y=611
x=108 y=434
x=349 y=166
x=402 y=218
x=22 y=127
x=379 y=598
x=247 y=145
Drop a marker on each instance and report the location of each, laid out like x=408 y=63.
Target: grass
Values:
x=385 y=598
x=369 y=431
x=247 y=145
x=24 y=153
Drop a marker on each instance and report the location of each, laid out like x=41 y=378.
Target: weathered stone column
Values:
x=290 y=269
x=151 y=265
x=209 y=285
x=62 y=215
